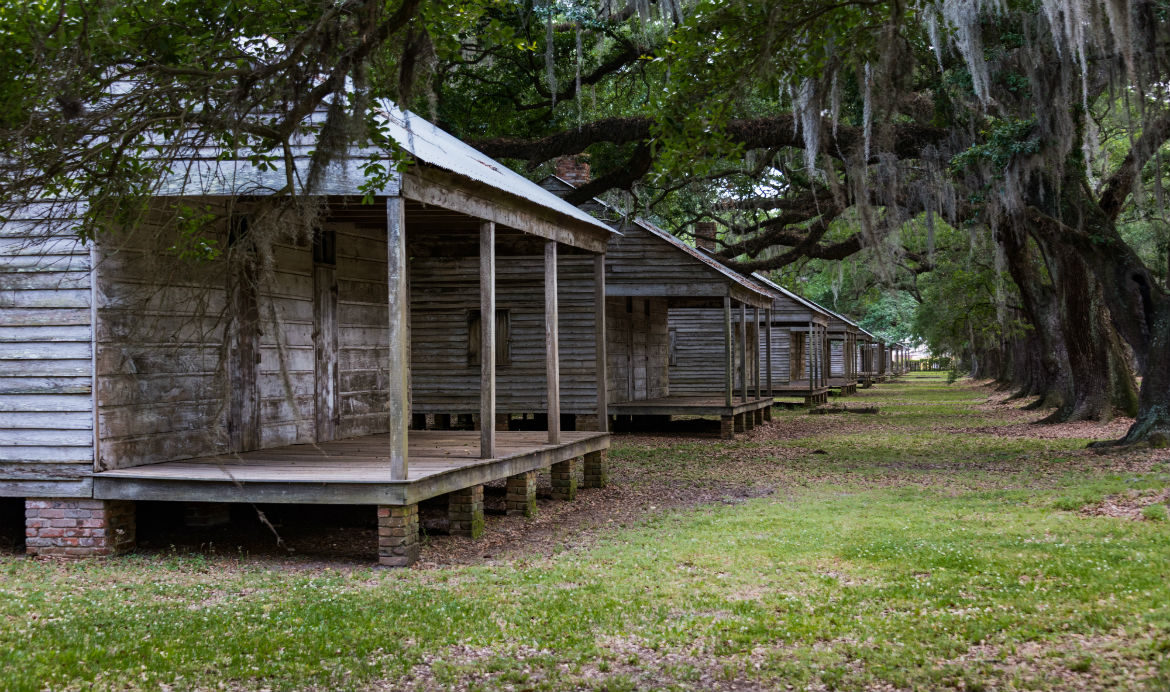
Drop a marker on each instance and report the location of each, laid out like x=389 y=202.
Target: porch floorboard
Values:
x=689 y=406
x=355 y=471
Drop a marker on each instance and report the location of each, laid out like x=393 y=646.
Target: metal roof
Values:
x=838 y=315
x=784 y=292
x=215 y=171
x=427 y=143
x=680 y=245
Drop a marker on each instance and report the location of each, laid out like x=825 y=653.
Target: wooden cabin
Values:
x=799 y=363
x=867 y=358
x=665 y=356
x=897 y=364
x=283 y=365
x=881 y=359
x=842 y=336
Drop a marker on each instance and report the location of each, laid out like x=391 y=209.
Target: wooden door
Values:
x=326 y=378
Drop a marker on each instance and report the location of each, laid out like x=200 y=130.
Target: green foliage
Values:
x=1154 y=512
x=1002 y=141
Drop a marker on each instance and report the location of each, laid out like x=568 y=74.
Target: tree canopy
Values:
x=984 y=175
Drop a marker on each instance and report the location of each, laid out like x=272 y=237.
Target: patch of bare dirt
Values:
x=557 y=526
x=626 y=662
x=1035 y=430
x=1127 y=505
x=1117 y=660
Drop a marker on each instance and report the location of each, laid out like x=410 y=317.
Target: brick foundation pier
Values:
x=397 y=535
x=76 y=527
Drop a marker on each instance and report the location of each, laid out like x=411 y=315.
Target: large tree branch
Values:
x=754 y=133
x=621 y=178
x=1119 y=186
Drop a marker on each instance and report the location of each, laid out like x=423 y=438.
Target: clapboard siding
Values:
x=46 y=357
x=363 y=331
x=781 y=356
x=836 y=357
x=699 y=364
x=444 y=292
x=287 y=366
x=161 y=384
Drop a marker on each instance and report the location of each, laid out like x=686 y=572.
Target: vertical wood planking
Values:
x=397 y=374
x=244 y=409
x=743 y=351
x=812 y=381
x=487 y=340
x=727 y=355
x=600 y=340
x=768 y=349
x=327 y=375
x=756 y=350
x=551 y=342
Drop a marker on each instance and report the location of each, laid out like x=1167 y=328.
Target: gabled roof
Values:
x=429 y=144
x=216 y=171
x=676 y=242
x=778 y=289
x=838 y=315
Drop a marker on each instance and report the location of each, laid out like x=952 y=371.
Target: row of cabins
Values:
x=468 y=327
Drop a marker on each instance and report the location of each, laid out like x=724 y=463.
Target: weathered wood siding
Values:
x=160 y=341
x=836 y=357
x=363 y=340
x=781 y=355
x=638 y=348
x=444 y=293
x=165 y=359
x=699 y=363
x=46 y=366
x=639 y=263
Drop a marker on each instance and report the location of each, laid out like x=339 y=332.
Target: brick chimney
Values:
x=705 y=235
x=573 y=169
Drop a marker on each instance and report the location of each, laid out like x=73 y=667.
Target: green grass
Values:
x=867 y=566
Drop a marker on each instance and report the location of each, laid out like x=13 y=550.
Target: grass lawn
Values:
x=941 y=543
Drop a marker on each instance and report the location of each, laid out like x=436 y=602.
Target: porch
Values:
x=812 y=395
x=351 y=471
x=738 y=415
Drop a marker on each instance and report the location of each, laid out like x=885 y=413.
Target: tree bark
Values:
x=1137 y=307
x=1053 y=383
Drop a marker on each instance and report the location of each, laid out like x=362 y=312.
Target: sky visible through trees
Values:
x=984 y=176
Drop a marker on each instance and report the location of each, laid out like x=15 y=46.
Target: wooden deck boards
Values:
x=355 y=471
x=688 y=406
x=797 y=388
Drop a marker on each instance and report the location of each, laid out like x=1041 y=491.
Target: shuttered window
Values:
x=503 y=338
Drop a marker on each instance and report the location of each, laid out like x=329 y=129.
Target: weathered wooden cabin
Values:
x=842 y=336
x=897 y=358
x=867 y=358
x=666 y=356
x=800 y=354
x=278 y=368
x=881 y=359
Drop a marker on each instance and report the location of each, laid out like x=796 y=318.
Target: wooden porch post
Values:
x=487 y=340
x=743 y=352
x=727 y=347
x=756 y=350
x=768 y=317
x=810 y=350
x=599 y=338
x=551 y=342
x=398 y=374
